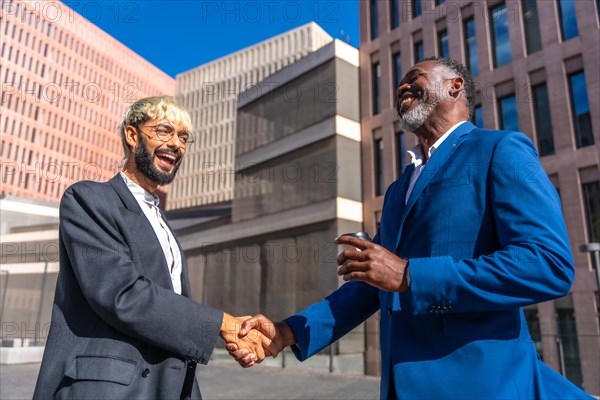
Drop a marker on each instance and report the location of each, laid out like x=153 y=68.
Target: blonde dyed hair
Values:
x=150 y=108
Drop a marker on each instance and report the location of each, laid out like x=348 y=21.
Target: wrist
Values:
x=287 y=334
x=405 y=283
x=228 y=326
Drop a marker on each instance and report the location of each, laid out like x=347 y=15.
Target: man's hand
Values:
x=279 y=334
x=252 y=346
x=372 y=264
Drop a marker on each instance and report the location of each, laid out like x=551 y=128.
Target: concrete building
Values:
x=65 y=86
x=209 y=93
x=536 y=65
x=298 y=150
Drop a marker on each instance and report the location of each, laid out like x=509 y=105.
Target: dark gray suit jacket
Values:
x=119 y=331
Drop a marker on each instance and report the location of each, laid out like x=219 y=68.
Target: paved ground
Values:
x=223 y=379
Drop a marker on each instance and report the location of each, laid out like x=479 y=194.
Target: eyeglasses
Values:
x=164 y=133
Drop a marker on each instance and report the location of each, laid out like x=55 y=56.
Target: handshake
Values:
x=250 y=339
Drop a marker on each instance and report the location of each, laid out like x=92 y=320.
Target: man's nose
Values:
x=176 y=144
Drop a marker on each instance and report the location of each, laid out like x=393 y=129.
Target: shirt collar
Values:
x=139 y=192
x=416 y=152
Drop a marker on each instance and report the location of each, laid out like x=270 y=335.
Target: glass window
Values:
x=374 y=22
x=591 y=197
x=543 y=122
x=580 y=107
x=478 y=116
x=533 y=323
x=443 y=50
x=396 y=71
x=401 y=153
x=568 y=345
x=509 y=120
x=394 y=14
x=568 y=20
x=419 y=52
x=531 y=24
x=500 y=38
x=378 y=159
x=416 y=8
x=375 y=88
x=472 y=60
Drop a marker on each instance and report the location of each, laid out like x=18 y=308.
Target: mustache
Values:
x=417 y=94
x=176 y=154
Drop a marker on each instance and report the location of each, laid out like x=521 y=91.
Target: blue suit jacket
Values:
x=484 y=233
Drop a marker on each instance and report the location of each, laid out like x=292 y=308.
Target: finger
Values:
x=239 y=355
x=244 y=364
x=350 y=266
x=231 y=347
x=355 y=276
x=353 y=241
x=260 y=352
x=352 y=255
x=251 y=323
x=247 y=361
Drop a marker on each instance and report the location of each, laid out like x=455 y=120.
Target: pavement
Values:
x=224 y=379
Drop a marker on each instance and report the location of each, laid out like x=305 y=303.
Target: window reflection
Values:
x=394 y=14
x=543 y=122
x=396 y=70
x=531 y=24
x=580 y=106
x=500 y=37
x=478 y=116
x=416 y=7
x=375 y=87
x=568 y=20
x=419 y=52
x=401 y=153
x=471 y=47
x=443 y=50
x=378 y=160
x=591 y=197
x=373 y=19
x=509 y=120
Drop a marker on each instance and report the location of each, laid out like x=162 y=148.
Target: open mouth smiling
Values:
x=167 y=159
x=405 y=102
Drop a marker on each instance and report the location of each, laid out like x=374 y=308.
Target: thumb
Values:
x=247 y=326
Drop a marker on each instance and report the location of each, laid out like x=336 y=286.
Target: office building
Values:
x=65 y=86
x=536 y=67
x=298 y=150
x=209 y=93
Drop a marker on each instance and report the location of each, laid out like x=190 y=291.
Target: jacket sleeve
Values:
x=324 y=322
x=533 y=262
x=115 y=287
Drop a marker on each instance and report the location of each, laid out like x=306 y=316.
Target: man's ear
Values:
x=458 y=84
x=131 y=136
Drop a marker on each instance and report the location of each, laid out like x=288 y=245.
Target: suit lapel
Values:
x=151 y=257
x=434 y=165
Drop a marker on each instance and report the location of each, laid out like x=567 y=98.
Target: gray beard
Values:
x=413 y=119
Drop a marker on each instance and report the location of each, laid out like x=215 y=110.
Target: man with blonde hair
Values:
x=124 y=325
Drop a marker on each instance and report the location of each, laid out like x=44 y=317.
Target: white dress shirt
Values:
x=418 y=159
x=149 y=205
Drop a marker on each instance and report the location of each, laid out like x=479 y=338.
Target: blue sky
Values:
x=180 y=35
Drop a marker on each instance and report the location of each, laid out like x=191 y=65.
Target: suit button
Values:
x=145 y=373
x=389 y=310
